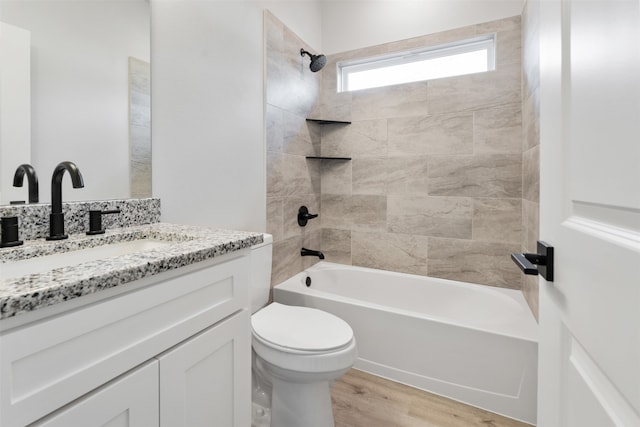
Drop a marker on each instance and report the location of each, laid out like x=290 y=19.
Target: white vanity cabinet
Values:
x=168 y=350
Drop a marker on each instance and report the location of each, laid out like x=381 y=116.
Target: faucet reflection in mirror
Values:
x=32 y=178
x=56 y=218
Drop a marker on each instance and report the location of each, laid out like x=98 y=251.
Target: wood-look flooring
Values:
x=365 y=400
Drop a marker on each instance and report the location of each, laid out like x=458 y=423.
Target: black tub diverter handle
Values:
x=304 y=216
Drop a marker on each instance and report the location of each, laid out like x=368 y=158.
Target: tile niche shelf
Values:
x=324 y=123
x=328 y=122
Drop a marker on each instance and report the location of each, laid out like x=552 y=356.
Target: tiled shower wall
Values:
x=531 y=143
x=435 y=184
x=292 y=92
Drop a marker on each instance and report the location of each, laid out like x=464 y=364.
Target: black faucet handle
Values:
x=304 y=216
x=9 y=232
x=95 y=220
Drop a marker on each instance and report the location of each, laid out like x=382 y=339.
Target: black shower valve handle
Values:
x=304 y=216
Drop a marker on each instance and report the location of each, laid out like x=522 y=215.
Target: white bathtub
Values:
x=475 y=344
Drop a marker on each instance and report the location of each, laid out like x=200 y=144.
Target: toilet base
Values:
x=301 y=404
x=260 y=416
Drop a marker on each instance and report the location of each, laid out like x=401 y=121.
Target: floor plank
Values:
x=364 y=400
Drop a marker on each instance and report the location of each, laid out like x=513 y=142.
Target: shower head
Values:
x=317 y=61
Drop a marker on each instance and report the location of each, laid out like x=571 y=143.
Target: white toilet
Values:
x=297 y=353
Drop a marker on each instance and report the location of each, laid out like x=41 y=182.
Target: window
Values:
x=454 y=59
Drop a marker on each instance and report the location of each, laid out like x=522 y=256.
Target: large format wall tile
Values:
x=336 y=211
x=486 y=263
x=439 y=134
x=275 y=137
x=369 y=175
x=498 y=129
x=531 y=174
x=275 y=217
x=368 y=213
x=300 y=175
x=407 y=175
x=497 y=220
x=485 y=175
x=431 y=216
x=336 y=245
x=388 y=251
x=531 y=120
x=296 y=137
x=509 y=46
x=275 y=177
x=287 y=261
x=335 y=140
x=368 y=138
x=336 y=176
x=474 y=91
x=391 y=101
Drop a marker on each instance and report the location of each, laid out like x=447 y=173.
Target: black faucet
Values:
x=56 y=218
x=309 y=252
x=32 y=178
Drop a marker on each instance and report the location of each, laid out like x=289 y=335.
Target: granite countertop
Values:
x=188 y=245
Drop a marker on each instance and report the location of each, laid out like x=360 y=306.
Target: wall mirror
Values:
x=88 y=96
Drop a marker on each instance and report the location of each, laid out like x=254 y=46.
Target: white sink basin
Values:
x=41 y=264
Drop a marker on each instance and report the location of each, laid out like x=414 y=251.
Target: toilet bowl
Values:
x=297 y=354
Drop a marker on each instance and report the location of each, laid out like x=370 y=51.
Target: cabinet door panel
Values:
x=206 y=381
x=131 y=400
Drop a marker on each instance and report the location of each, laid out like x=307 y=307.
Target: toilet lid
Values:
x=301 y=328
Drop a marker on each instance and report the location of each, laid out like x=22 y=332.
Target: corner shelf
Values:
x=328 y=122
x=328 y=158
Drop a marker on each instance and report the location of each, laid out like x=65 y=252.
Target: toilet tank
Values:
x=260 y=273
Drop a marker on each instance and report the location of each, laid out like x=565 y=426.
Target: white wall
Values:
x=208 y=108
x=79 y=88
x=355 y=24
x=303 y=17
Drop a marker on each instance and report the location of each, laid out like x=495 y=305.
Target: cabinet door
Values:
x=131 y=400
x=206 y=381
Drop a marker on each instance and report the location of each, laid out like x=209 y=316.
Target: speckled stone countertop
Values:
x=189 y=244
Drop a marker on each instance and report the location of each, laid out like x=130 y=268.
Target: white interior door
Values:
x=590 y=211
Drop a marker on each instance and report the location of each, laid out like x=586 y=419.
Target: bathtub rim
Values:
x=296 y=284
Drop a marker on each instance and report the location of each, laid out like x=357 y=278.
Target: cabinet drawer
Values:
x=49 y=363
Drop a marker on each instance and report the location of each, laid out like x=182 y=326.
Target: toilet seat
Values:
x=300 y=329
x=302 y=339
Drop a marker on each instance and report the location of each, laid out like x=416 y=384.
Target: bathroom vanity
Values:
x=155 y=336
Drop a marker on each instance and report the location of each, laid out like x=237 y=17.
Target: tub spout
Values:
x=309 y=252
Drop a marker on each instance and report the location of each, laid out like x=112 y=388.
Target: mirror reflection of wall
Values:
x=84 y=103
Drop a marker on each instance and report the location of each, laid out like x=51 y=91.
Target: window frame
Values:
x=344 y=68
